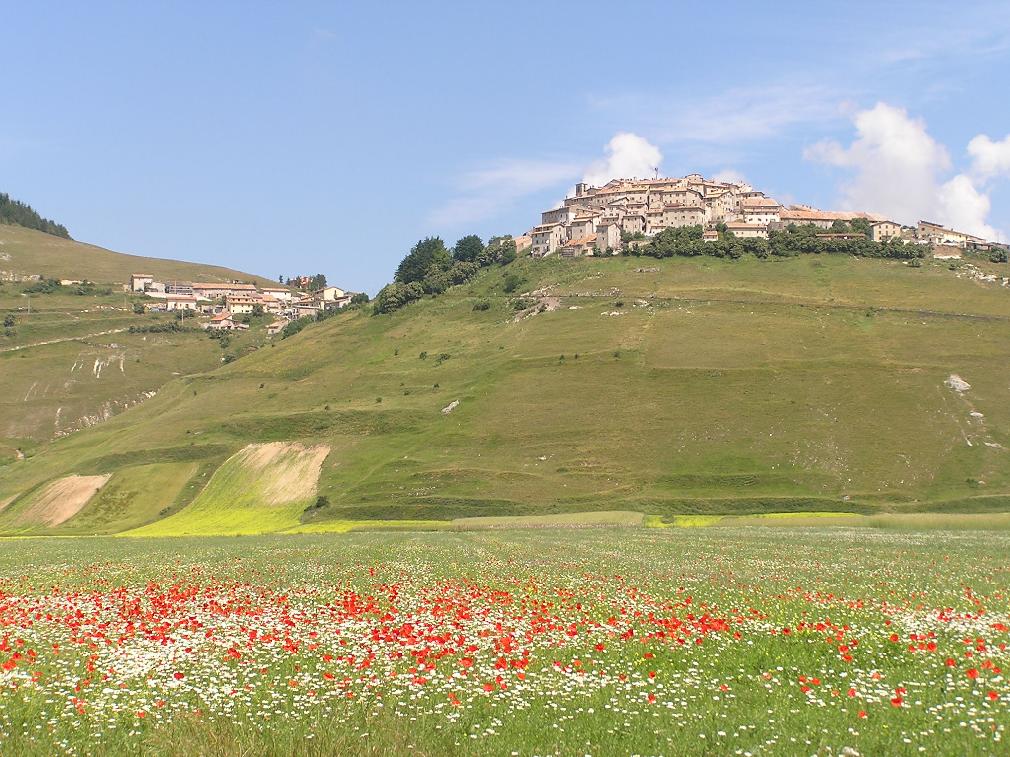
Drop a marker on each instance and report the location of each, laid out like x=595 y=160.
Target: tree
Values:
x=861 y=225
x=508 y=251
x=426 y=253
x=318 y=282
x=138 y=308
x=394 y=296
x=15 y=212
x=10 y=321
x=511 y=282
x=360 y=298
x=257 y=310
x=468 y=248
x=500 y=250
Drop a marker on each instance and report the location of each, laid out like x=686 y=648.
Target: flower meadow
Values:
x=625 y=641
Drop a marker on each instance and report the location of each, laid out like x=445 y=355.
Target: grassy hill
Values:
x=26 y=251
x=664 y=387
x=70 y=360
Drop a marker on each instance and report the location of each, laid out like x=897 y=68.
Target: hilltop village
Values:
x=225 y=303
x=601 y=220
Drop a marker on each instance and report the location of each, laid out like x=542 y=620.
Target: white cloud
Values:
x=899 y=171
x=628 y=156
x=490 y=191
x=989 y=158
x=964 y=207
x=729 y=174
x=494 y=190
x=896 y=163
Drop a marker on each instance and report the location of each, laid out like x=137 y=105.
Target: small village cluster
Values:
x=596 y=220
x=223 y=302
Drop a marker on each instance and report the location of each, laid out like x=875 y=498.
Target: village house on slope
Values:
x=226 y=301
x=224 y=321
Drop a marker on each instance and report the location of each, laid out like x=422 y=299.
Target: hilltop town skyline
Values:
x=601 y=219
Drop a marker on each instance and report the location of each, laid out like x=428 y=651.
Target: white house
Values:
x=180 y=302
x=281 y=293
x=747 y=230
x=546 y=239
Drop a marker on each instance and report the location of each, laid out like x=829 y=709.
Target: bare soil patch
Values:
x=288 y=472
x=62 y=499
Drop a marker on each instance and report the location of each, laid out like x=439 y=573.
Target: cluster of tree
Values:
x=51 y=286
x=627 y=236
x=22 y=214
x=43 y=286
x=431 y=268
x=792 y=241
x=306 y=283
x=166 y=327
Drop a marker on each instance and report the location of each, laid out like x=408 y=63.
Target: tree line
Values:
x=791 y=241
x=431 y=268
x=21 y=214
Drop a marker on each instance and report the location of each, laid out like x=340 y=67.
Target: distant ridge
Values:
x=22 y=214
x=28 y=252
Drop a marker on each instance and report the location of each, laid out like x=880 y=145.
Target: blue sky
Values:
x=300 y=137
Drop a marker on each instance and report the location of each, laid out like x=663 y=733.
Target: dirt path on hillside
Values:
x=62 y=499
x=289 y=471
x=62 y=339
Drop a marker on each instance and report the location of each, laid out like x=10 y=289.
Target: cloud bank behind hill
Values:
x=898 y=169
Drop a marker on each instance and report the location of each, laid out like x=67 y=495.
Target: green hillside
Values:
x=68 y=358
x=677 y=386
x=26 y=251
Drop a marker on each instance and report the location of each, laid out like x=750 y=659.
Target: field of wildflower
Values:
x=597 y=641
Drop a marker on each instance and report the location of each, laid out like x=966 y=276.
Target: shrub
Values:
x=394 y=296
x=293 y=327
x=482 y=305
x=511 y=282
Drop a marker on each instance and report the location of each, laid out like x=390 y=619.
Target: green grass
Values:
x=568 y=520
x=26 y=251
x=346 y=526
x=132 y=497
x=70 y=362
x=772 y=641
x=813 y=384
